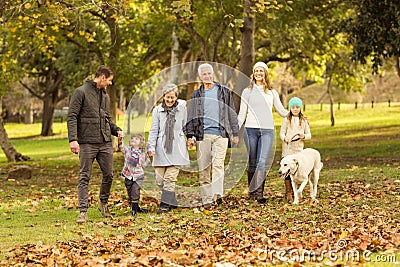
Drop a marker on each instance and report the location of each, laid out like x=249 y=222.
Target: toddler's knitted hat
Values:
x=295 y=102
x=260 y=64
x=170 y=87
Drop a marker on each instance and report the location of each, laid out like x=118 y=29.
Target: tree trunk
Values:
x=398 y=66
x=247 y=49
x=284 y=86
x=121 y=103
x=331 y=108
x=174 y=56
x=328 y=91
x=49 y=93
x=48 y=112
x=8 y=149
x=115 y=39
x=28 y=116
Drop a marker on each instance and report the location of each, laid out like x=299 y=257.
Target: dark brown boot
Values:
x=260 y=182
x=252 y=194
x=289 y=195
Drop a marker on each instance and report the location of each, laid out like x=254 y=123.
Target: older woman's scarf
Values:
x=169 y=125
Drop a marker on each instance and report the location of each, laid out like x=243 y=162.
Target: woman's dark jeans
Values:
x=259 y=145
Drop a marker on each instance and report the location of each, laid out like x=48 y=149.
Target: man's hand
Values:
x=74 y=146
x=191 y=142
x=235 y=140
x=120 y=135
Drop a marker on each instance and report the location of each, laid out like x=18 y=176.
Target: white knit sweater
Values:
x=289 y=130
x=256 y=108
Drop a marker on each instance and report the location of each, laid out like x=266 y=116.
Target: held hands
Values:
x=74 y=146
x=150 y=154
x=191 y=143
x=235 y=140
x=120 y=135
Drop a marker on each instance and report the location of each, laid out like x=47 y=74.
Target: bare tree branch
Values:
x=33 y=92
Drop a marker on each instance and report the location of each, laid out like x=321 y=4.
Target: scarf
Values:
x=169 y=126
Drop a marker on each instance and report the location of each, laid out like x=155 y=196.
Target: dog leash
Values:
x=294 y=138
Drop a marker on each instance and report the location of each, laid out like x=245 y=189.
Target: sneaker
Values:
x=103 y=208
x=82 y=218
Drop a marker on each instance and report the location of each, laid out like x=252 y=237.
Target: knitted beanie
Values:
x=295 y=102
x=260 y=64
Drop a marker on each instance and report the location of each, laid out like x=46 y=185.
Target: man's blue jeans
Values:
x=259 y=145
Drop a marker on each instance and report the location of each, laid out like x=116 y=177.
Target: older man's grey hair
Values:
x=205 y=66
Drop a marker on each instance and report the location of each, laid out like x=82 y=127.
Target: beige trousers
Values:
x=211 y=153
x=166 y=177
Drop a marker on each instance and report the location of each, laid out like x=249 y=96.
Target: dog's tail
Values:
x=320 y=165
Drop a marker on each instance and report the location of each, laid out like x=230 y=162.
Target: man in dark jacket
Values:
x=212 y=119
x=89 y=132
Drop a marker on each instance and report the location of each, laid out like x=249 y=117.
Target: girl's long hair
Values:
x=301 y=117
x=266 y=82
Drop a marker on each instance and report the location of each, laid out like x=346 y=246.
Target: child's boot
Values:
x=289 y=194
x=142 y=210
x=136 y=209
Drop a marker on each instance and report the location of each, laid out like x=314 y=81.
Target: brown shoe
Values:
x=82 y=218
x=103 y=208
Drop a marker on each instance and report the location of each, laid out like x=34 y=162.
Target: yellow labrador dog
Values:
x=299 y=166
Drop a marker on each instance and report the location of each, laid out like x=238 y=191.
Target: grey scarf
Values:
x=169 y=126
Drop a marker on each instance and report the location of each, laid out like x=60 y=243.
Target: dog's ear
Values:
x=295 y=161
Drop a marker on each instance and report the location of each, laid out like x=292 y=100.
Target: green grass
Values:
x=358 y=201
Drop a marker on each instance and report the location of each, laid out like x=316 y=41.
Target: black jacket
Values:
x=227 y=114
x=89 y=118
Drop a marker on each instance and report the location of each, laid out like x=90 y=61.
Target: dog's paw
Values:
x=296 y=202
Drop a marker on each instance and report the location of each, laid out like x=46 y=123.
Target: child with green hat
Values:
x=294 y=130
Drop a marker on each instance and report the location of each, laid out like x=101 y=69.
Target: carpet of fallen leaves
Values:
x=350 y=219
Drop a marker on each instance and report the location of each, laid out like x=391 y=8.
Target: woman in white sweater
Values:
x=255 y=113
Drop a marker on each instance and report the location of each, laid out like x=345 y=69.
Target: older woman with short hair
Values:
x=167 y=144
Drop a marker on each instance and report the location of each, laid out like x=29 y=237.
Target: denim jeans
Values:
x=259 y=145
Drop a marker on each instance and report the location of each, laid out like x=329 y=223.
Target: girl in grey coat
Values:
x=168 y=145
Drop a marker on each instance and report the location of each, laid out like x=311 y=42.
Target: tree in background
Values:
x=8 y=74
x=374 y=31
x=36 y=42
